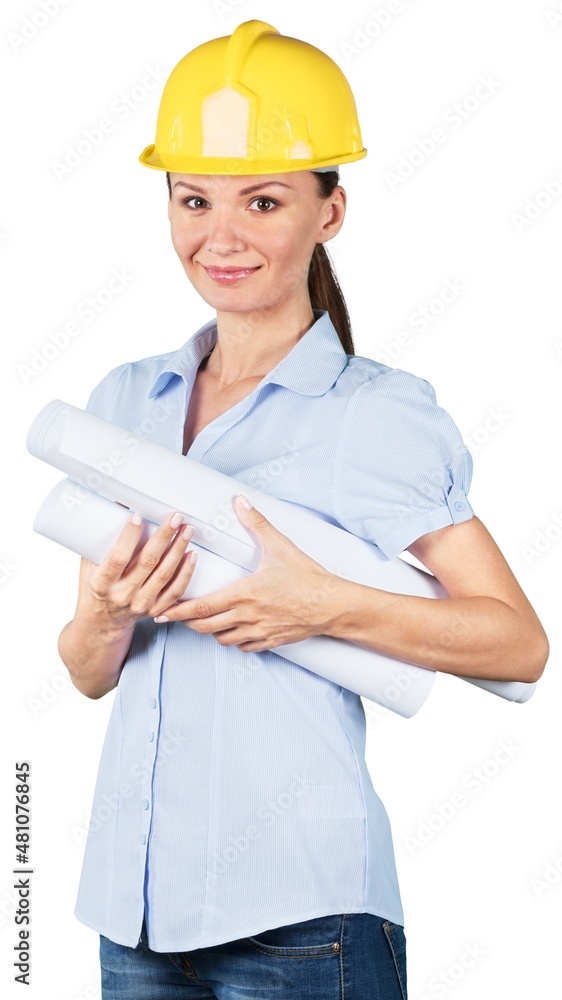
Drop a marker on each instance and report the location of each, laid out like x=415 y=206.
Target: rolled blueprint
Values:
x=115 y=471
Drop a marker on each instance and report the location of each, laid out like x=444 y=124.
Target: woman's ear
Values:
x=333 y=214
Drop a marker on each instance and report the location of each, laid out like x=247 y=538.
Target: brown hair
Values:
x=323 y=285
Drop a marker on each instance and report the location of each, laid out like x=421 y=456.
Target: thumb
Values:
x=250 y=516
x=272 y=541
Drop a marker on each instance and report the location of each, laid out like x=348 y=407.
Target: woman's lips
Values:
x=228 y=275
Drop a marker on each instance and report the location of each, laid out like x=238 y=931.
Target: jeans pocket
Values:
x=396 y=938
x=313 y=938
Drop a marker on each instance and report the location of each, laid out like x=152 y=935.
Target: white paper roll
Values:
x=144 y=476
x=88 y=524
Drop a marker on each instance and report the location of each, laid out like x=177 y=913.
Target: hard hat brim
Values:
x=225 y=165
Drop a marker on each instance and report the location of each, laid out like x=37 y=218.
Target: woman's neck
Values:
x=249 y=345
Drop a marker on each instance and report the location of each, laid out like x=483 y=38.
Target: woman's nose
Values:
x=223 y=236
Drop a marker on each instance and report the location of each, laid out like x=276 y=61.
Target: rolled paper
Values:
x=519 y=691
x=88 y=524
x=115 y=471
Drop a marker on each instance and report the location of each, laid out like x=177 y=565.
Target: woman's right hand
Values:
x=126 y=587
x=115 y=594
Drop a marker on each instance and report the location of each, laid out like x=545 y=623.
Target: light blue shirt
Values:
x=233 y=794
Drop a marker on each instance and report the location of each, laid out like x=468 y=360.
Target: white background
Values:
x=463 y=215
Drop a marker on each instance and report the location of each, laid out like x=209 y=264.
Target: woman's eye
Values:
x=261 y=200
x=262 y=203
x=194 y=197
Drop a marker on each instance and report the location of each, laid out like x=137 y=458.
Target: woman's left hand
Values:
x=289 y=597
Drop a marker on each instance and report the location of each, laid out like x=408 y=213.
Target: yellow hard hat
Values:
x=255 y=102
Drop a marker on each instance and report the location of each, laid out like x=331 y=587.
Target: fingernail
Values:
x=176 y=520
x=136 y=519
x=193 y=556
x=244 y=501
x=161 y=618
x=188 y=531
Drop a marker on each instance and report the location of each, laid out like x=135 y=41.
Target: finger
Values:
x=114 y=563
x=214 y=606
x=170 y=595
x=253 y=647
x=176 y=586
x=245 y=637
x=166 y=569
x=206 y=626
x=148 y=557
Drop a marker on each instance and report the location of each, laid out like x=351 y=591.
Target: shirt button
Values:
x=144 y=803
x=150 y=737
x=143 y=838
x=459 y=505
x=153 y=702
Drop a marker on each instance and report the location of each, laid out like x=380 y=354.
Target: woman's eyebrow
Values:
x=258 y=187
x=248 y=190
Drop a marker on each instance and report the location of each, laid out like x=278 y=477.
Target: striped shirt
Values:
x=233 y=794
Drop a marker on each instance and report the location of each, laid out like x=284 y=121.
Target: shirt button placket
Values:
x=158 y=640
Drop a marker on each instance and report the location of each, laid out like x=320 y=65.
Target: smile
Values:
x=229 y=275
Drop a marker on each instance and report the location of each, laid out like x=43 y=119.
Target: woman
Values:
x=237 y=843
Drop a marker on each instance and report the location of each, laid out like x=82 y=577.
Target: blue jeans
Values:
x=350 y=956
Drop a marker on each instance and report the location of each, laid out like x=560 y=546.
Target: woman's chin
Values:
x=226 y=300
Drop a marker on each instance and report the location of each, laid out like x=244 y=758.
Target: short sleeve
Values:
x=401 y=468
x=104 y=396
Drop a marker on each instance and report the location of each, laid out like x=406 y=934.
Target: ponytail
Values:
x=323 y=285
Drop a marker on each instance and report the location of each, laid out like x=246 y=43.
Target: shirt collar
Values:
x=311 y=367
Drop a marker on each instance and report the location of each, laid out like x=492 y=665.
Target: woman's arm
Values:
x=486 y=628
x=113 y=596
x=93 y=650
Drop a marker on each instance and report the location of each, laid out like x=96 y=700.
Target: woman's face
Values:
x=245 y=242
